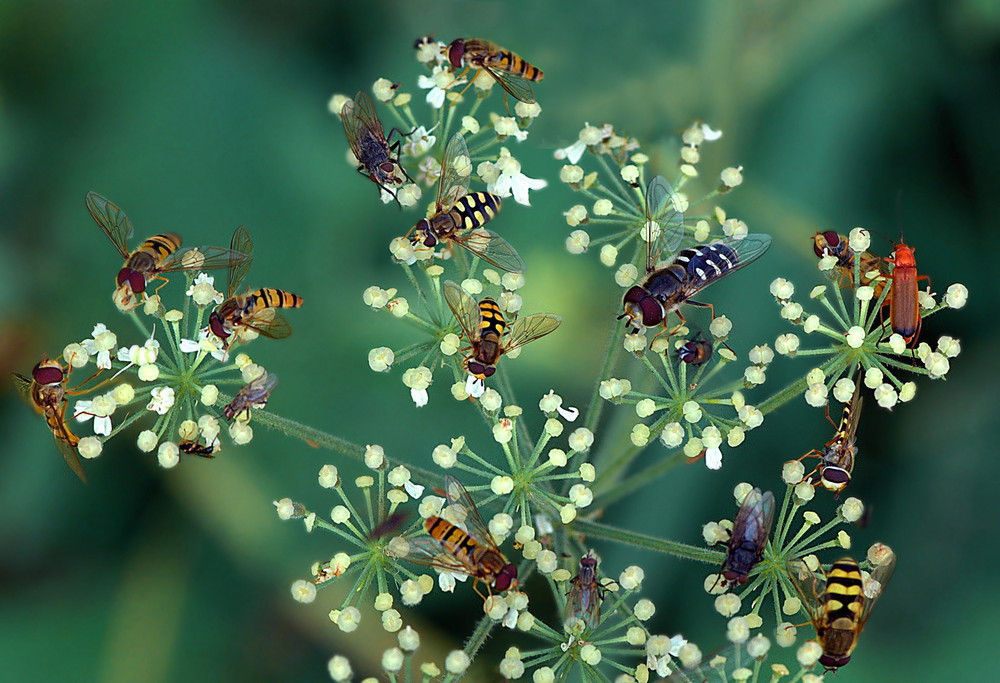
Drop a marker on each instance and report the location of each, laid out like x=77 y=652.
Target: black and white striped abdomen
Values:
x=707 y=262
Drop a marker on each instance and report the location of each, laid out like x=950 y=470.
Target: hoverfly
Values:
x=370 y=146
x=486 y=330
x=155 y=256
x=837 y=457
x=831 y=243
x=587 y=593
x=460 y=216
x=46 y=392
x=253 y=311
x=252 y=395
x=839 y=609
x=751 y=530
x=508 y=69
x=666 y=289
x=450 y=548
x=696 y=352
x=196 y=447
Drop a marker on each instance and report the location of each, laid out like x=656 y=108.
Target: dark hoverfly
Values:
x=46 y=392
x=157 y=255
x=486 y=330
x=666 y=289
x=587 y=593
x=838 y=455
x=255 y=311
x=696 y=352
x=471 y=551
x=252 y=395
x=751 y=530
x=839 y=603
x=460 y=216
x=370 y=146
x=508 y=69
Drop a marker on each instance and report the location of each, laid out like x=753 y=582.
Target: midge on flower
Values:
x=486 y=329
x=837 y=457
x=666 y=289
x=370 y=146
x=155 y=256
x=252 y=395
x=46 y=392
x=460 y=216
x=253 y=311
x=449 y=548
x=508 y=69
x=839 y=603
x=751 y=530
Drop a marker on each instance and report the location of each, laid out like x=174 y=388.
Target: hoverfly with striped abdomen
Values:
x=871 y=267
x=46 y=392
x=252 y=312
x=508 y=69
x=460 y=216
x=587 y=593
x=196 y=447
x=839 y=603
x=253 y=395
x=373 y=150
x=666 y=289
x=485 y=328
x=751 y=529
x=470 y=551
x=838 y=455
x=155 y=256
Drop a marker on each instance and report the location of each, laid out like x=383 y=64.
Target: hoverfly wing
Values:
x=240 y=244
x=456 y=172
x=268 y=323
x=714 y=261
x=261 y=387
x=809 y=586
x=661 y=208
x=359 y=118
x=69 y=453
x=23 y=386
x=388 y=525
x=113 y=221
x=464 y=307
x=426 y=551
x=753 y=521
x=881 y=574
x=528 y=329
x=491 y=248
x=516 y=86
x=458 y=496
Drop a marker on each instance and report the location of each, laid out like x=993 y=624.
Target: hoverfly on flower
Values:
x=512 y=72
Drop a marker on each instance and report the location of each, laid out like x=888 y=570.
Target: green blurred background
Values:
x=199 y=116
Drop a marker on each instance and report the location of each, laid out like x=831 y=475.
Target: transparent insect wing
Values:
x=113 y=221
x=261 y=387
x=456 y=172
x=516 y=87
x=881 y=574
x=388 y=525
x=809 y=586
x=425 y=550
x=528 y=329
x=491 y=248
x=360 y=118
x=241 y=243
x=69 y=453
x=747 y=250
x=458 y=496
x=268 y=323
x=661 y=208
x=754 y=518
x=209 y=258
x=23 y=386
x=464 y=307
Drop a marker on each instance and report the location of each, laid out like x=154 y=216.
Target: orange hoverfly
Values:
x=46 y=392
x=155 y=256
x=839 y=603
x=486 y=330
x=370 y=146
x=838 y=455
x=472 y=552
x=508 y=69
x=460 y=216
x=666 y=289
x=254 y=311
x=872 y=267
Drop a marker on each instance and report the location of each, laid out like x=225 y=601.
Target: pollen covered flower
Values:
x=202 y=291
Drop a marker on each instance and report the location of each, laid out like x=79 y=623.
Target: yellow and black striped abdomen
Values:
x=159 y=247
x=269 y=297
x=475 y=210
x=512 y=63
x=490 y=319
x=844 y=597
x=457 y=543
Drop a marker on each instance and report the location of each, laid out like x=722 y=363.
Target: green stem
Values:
x=596 y=405
x=660 y=545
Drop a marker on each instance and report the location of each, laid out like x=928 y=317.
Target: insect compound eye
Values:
x=836 y=475
x=123 y=276
x=652 y=311
x=505 y=578
x=634 y=295
x=218 y=329
x=137 y=282
x=455 y=51
x=489 y=370
x=477 y=369
x=47 y=374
